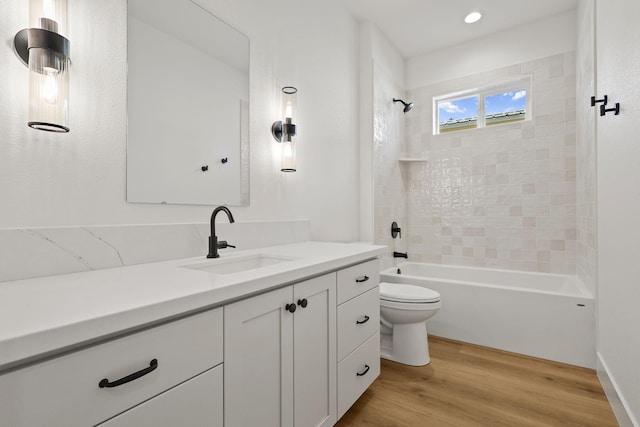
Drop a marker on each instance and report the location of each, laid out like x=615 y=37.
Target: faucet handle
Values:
x=223 y=244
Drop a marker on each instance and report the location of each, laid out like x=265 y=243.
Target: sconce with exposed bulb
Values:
x=284 y=131
x=45 y=50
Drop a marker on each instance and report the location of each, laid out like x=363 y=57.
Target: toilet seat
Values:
x=403 y=293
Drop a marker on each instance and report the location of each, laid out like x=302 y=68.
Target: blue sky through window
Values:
x=458 y=109
x=505 y=102
x=493 y=104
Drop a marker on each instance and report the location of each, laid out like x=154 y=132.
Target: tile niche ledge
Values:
x=412 y=160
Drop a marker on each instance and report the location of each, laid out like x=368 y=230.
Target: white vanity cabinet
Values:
x=66 y=391
x=280 y=357
x=298 y=351
x=358 y=331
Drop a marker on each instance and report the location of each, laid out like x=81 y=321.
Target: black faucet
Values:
x=214 y=245
x=400 y=255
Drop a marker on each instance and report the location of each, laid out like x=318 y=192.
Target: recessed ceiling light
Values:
x=473 y=17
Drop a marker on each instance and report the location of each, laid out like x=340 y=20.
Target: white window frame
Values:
x=482 y=92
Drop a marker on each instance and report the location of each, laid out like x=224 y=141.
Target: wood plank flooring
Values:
x=470 y=385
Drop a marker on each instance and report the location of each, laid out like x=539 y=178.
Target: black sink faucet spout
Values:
x=213 y=239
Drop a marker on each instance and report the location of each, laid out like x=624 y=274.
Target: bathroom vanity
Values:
x=229 y=341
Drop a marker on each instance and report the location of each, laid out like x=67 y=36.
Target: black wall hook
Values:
x=205 y=168
x=224 y=160
x=603 y=100
x=615 y=110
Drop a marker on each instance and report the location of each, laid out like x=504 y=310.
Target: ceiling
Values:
x=416 y=27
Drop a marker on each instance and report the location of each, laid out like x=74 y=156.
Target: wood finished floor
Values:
x=469 y=385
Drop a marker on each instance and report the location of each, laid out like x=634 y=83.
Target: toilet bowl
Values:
x=404 y=310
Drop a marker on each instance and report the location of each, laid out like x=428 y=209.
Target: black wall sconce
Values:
x=284 y=131
x=45 y=50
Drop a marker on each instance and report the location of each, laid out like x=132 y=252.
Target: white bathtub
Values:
x=543 y=315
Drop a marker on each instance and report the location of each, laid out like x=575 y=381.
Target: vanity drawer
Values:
x=65 y=391
x=195 y=403
x=357 y=371
x=354 y=280
x=358 y=319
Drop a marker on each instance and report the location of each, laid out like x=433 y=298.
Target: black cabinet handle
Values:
x=303 y=303
x=362 y=279
x=291 y=308
x=361 y=322
x=366 y=369
x=105 y=382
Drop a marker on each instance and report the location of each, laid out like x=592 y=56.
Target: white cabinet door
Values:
x=194 y=403
x=315 y=352
x=258 y=350
x=280 y=367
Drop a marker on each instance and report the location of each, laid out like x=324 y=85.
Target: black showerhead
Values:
x=407 y=106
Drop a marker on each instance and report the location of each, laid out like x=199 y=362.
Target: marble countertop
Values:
x=45 y=316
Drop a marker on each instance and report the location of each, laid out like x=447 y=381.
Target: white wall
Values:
x=79 y=178
x=618 y=206
x=542 y=38
x=366 y=132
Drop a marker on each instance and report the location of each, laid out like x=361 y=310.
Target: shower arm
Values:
x=407 y=105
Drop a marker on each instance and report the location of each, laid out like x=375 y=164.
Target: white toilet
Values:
x=404 y=310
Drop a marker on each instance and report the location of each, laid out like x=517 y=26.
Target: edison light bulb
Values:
x=288 y=111
x=50 y=86
x=288 y=151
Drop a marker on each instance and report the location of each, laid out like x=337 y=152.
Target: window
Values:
x=458 y=114
x=487 y=106
x=505 y=107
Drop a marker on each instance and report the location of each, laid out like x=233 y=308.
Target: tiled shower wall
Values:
x=502 y=196
x=388 y=143
x=586 y=150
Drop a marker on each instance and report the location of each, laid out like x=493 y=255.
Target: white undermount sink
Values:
x=238 y=264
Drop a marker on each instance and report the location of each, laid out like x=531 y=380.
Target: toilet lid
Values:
x=401 y=292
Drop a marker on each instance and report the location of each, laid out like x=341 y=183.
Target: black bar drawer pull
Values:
x=363 y=373
x=361 y=322
x=152 y=366
x=362 y=279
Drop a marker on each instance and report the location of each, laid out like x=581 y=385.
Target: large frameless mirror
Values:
x=187 y=106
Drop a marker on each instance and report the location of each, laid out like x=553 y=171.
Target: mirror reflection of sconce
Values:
x=284 y=131
x=45 y=50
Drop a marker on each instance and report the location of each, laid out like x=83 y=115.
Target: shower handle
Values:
x=395 y=230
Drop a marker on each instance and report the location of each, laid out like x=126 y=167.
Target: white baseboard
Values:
x=616 y=400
